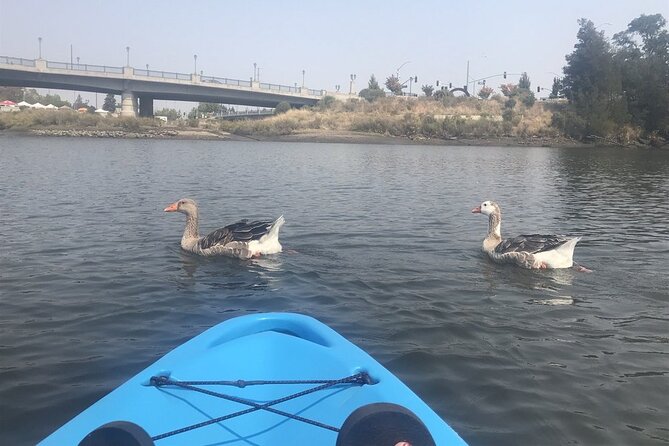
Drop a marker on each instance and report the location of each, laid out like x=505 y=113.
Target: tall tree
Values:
x=11 y=93
x=373 y=90
x=373 y=84
x=593 y=84
x=524 y=81
x=78 y=103
x=393 y=84
x=556 y=90
x=643 y=57
x=110 y=103
x=428 y=90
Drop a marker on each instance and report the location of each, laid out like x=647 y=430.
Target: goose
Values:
x=244 y=239
x=533 y=251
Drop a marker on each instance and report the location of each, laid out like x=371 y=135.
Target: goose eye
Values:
x=485 y=204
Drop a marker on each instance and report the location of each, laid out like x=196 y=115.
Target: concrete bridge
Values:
x=138 y=88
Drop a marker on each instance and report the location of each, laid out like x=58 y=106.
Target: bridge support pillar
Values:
x=128 y=104
x=145 y=107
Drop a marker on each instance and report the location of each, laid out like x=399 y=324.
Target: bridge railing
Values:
x=279 y=88
x=157 y=74
x=84 y=67
x=162 y=74
x=17 y=61
x=226 y=81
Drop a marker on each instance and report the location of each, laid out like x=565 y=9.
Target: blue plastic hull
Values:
x=273 y=346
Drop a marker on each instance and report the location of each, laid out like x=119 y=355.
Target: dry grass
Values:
x=67 y=119
x=424 y=117
x=421 y=117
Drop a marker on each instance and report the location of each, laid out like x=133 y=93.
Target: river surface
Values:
x=379 y=243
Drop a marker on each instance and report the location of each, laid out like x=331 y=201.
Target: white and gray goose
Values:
x=244 y=239
x=534 y=251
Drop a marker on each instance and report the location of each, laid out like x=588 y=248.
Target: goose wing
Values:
x=532 y=243
x=242 y=231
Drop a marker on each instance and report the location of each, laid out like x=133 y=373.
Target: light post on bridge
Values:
x=303 y=71
x=255 y=65
x=350 y=85
x=127 y=58
x=195 y=62
x=39 y=40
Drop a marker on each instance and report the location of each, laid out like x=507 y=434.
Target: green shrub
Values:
x=282 y=107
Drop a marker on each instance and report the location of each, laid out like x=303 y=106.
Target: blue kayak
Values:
x=263 y=379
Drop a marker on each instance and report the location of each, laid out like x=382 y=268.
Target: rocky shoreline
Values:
x=319 y=136
x=158 y=133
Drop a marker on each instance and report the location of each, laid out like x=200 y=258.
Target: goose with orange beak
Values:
x=244 y=239
x=534 y=251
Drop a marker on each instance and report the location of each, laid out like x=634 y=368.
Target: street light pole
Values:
x=350 y=87
x=303 y=71
x=127 y=51
x=195 y=62
x=398 y=69
x=467 y=86
x=254 y=72
x=39 y=40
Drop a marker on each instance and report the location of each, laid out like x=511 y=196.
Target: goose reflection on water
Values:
x=226 y=272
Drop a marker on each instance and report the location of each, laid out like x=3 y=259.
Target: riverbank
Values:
x=425 y=121
x=319 y=136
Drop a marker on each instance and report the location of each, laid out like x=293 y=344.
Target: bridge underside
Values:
x=147 y=91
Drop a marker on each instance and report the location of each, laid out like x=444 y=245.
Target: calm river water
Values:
x=379 y=243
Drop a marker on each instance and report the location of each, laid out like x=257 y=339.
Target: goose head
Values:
x=185 y=206
x=487 y=208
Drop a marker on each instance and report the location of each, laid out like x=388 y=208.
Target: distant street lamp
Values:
x=303 y=71
x=195 y=62
x=39 y=40
x=350 y=86
x=147 y=68
x=77 y=60
x=398 y=68
x=127 y=51
x=254 y=72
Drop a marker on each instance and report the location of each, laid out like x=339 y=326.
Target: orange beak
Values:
x=476 y=210
x=172 y=207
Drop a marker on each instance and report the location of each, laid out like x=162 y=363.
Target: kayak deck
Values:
x=261 y=347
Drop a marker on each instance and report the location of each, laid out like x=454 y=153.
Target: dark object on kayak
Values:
x=118 y=433
x=383 y=424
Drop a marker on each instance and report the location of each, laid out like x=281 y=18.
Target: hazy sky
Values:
x=328 y=39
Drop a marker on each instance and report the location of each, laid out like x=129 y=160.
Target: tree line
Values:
x=617 y=88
